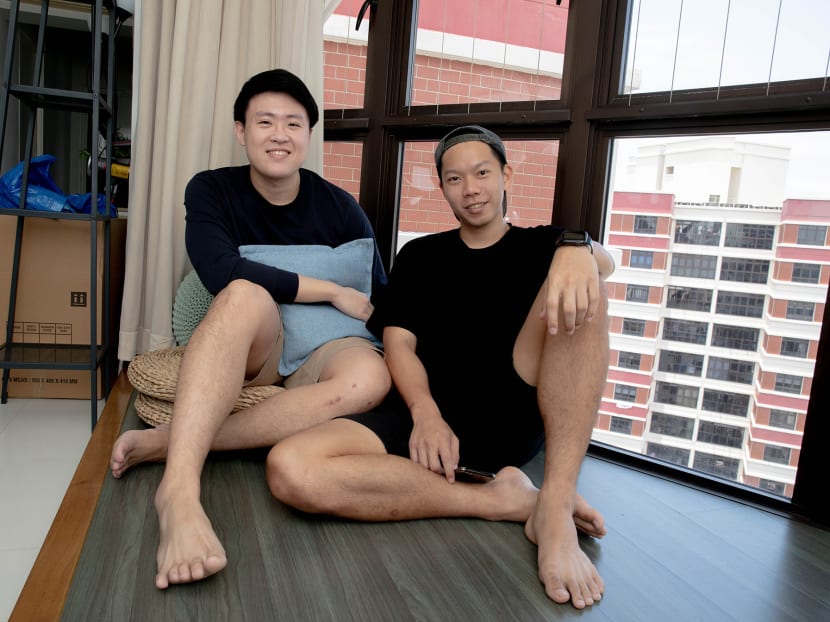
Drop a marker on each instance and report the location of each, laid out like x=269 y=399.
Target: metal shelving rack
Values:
x=97 y=104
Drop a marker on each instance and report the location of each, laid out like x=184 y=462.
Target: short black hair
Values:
x=464 y=134
x=275 y=81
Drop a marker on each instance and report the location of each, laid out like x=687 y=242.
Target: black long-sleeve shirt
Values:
x=224 y=212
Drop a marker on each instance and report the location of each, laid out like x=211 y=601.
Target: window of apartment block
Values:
x=795 y=347
x=744 y=270
x=735 y=337
x=719 y=434
x=645 y=224
x=636 y=293
x=730 y=370
x=672 y=425
x=629 y=360
x=782 y=419
x=641 y=259
x=697 y=232
x=778 y=455
x=633 y=327
x=806 y=272
x=677 y=394
x=788 y=383
x=725 y=402
x=717 y=465
x=698 y=266
x=776 y=488
x=812 y=235
x=686 y=331
x=747 y=235
x=674 y=455
x=689 y=298
x=800 y=310
x=681 y=363
x=738 y=303
x=621 y=425
x=625 y=393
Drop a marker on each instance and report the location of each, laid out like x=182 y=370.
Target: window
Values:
x=697 y=232
x=690 y=298
x=621 y=425
x=736 y=337
x=675 y=455
x=672 y=425
x=735 y=303
x=641 y=259
x=717 y=465
x=677 y=394
x=636 y=293
x=782 y=419
x=744 y=270
x=730 y=370
x=740 y=235
x=778 y=455
x=629 y=360
x=634 y=327
x=795 y=347
x=806 y=273
x=719 y=434
x=681 y=363
x=645 y=224
x=725 y=402
x=800 y=310
x=787 y=383
x=812 y=235
x=625 y=393
x=776 y=488
x=698 y=266
x=685 y=331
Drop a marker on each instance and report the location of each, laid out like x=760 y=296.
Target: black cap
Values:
x=275 y=81
x=467 y=133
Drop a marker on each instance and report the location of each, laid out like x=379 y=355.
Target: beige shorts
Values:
x=310 y=371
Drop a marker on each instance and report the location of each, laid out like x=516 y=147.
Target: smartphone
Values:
x=473 y=476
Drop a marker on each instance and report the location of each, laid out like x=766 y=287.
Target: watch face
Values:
x=574 y=238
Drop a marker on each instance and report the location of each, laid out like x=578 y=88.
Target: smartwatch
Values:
x=575 y=238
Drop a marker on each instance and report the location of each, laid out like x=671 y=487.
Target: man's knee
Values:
x=288 y=473
x=241 y=294
x=364 y=374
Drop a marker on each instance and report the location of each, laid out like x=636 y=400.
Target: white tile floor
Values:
x=41 y=443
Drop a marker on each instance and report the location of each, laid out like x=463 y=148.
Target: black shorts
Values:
x=502 y=429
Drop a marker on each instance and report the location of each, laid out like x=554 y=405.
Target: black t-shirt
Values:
x=224 y=212
x=466 y=307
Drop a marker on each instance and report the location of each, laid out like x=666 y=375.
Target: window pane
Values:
x=675 y=45
x=472 y=51
x=728 y=357
x=342 y=164
x=344 y=53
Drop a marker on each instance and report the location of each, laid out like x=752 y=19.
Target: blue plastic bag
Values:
x=43 y=193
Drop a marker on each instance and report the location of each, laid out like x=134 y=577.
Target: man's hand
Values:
x=352 y=302
x=572 y=288
x=432 y=443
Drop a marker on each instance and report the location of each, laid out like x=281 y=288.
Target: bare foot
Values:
x=188 y=547
x=515 y=495
x=137 y=446
x=564 y=569
x=587 y=518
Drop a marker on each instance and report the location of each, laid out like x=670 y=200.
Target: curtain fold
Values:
x=190 y=59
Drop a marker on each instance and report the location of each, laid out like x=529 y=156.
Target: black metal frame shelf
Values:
x=96 y=102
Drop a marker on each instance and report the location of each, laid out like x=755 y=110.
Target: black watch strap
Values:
x=574 y=238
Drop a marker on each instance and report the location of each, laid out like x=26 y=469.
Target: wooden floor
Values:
x=672 y=553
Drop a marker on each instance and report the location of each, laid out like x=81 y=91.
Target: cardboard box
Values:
x=53 y=297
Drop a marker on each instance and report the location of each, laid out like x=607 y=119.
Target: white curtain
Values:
x=191 y=57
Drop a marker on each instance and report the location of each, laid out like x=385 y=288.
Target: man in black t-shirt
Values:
x=496 y=338
x=272 y=201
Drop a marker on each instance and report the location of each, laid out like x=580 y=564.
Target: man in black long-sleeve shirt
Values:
x=271 y=201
